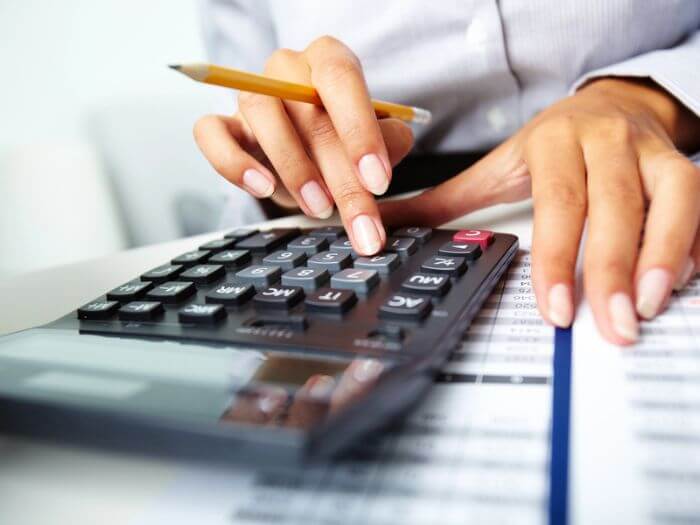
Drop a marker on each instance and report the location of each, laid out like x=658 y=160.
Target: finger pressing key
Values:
x=337 y=75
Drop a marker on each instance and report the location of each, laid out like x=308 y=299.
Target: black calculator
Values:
x=282 y=345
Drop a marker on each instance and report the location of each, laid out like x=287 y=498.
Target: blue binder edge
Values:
x=561 y=421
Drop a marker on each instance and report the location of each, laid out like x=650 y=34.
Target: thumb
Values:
x=398 y=138
x=499 y=177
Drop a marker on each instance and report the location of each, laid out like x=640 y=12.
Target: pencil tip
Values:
x=176 y=67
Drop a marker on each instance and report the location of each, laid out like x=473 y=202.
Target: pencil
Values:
x=244 y=81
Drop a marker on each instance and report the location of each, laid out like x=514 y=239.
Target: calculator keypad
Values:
x=309 y=286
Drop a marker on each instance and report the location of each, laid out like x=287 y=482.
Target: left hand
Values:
x=609 y=153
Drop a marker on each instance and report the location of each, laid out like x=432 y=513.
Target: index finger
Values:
x=337 y=75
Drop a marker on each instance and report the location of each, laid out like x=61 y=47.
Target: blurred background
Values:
x=96 y=148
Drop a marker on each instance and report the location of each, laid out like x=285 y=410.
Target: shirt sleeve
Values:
x=238 y=34
x=676 y=69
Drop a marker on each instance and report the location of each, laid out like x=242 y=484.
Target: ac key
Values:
x=405 y=306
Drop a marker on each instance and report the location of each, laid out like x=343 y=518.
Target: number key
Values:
x=331 y=261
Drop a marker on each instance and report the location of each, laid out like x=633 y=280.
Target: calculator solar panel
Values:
x=275 y=340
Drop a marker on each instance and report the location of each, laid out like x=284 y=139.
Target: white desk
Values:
x=46 y=483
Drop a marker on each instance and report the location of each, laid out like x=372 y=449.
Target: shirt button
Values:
x=497 y=119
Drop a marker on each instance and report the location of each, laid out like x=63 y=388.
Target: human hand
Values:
x=609 y=154
x=313 y=157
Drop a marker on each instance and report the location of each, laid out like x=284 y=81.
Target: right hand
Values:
x=307 y=156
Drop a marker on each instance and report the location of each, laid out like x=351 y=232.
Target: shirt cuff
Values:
x=675 y=69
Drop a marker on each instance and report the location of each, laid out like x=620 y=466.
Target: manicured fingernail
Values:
x=258 y=184
x=316 y=199
x=366 y=235
x=367 y=370
x=271 y=400
x=561 y=308
x=652 y=290
x=684 y=278
x=623 y=317
x=373 y=174
x=322 y=387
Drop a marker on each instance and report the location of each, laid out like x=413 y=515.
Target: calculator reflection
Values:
x=285 y=394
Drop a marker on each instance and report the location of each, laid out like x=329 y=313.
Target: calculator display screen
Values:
x=198 y=383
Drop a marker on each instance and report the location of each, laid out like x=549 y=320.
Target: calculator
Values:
x=281 y=345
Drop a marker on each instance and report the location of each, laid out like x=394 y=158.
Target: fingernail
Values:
x=561 y=309
x=316 y=199
x=688 y=271
x=373 y=174
x=622 y=315
x=367 y=370
x=366 y=235
x=322 y=387
x=271 y=400
x=258 y=184
x=652 y=290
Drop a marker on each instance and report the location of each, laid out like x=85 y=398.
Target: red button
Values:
x=481 y=237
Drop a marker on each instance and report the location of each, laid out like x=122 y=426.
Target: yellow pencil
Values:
x=244 y=81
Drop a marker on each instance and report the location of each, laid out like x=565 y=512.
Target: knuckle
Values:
x=612 y=268
x=334 y=69
x=321 y=132
x=248 y=101
x=553 y=128
x=349 y=194
x=622 y=191
x=325 y=43
x=561 y=195
x=279 y=58
x=617 y=129
x=203 y=124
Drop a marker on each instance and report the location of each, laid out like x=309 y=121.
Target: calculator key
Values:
x=230 y=294
x=343 y=245
x=141 y=311
x=201 y=313
x=404 y=246
x=286 y=259
x=382 y=262
x=481 y=237
x=445 y=264
x=98 y=310
x=307 y=278
x=129 y=291
x=469 y=251
x=162 y=273
x=283 y=297
x=422 y=235
x=427 y=283
x=267 y=241
x=218 y=245
x=241 y=233
x=309 y=244
x=359 y=280
x=259 y=275
x=191 y=258
x=330 y=232
x=331 y=300
x=231 y=258
x=172 y=291
x=404 y=306
x=204 y=273
x=331 y=261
